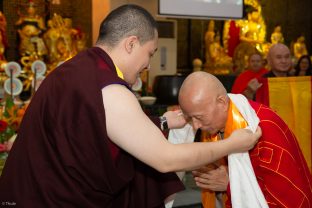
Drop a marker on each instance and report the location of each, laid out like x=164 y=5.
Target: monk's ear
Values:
x=222 y=100
x=130 y=43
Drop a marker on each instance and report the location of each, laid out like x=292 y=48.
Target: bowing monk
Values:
x=85 y=141
x=279 y=167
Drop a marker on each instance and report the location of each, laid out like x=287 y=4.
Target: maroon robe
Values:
x=63 y=157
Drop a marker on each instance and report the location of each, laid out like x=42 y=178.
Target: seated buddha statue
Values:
x=209 y=39
x=220 y=62
x=31 y=17
x=29 y=28
x=300 y=48
x=277 y=35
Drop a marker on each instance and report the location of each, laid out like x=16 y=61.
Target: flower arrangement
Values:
x=10 y=119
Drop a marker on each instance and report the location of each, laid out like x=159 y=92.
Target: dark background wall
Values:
x=294 y=16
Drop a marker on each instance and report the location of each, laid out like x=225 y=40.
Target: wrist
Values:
x=163 y=123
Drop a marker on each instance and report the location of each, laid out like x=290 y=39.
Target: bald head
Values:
x=279 y=59
x=276 y=48
x=200 y=86
x=204 y=100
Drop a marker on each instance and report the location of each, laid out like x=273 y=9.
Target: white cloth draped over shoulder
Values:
x=245 y=190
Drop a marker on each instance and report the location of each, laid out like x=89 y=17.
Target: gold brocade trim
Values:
x=119 y=72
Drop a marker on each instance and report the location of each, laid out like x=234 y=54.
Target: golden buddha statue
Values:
x=247 y=37
x=50 y=38
x=277 y=35
x=219 y=61
x=29 y=28
x=243 y=37
x=31 y=17
x=209 y=39
x=68 y=33
x=251 y=30
x=299 y=47
x=63 y=41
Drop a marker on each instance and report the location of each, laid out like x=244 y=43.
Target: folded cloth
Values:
x=179 y=136
x=182 y=135
x=245 y=190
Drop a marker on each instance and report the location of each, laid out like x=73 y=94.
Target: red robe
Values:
x=242 y=80
x=279 y=164
x=63 y=156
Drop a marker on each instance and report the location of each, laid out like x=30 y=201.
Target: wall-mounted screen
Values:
x=201 y=9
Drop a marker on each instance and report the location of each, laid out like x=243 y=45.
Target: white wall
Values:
x=164 y=61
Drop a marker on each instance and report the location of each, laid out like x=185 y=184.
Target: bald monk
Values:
x=280 y=63
x=280 y=168
x=85 y=141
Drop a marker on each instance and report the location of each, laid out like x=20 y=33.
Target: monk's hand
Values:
x=175 y=119
x=212 y=179
x=243 y=140
x=254 y=85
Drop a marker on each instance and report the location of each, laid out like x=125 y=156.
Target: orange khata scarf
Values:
x=234 y=121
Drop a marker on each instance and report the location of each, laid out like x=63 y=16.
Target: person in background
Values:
x=85 y=140
x=279 y=165
x=280 y=64
x=255 y=70
x=279 y=60
x=304 y=66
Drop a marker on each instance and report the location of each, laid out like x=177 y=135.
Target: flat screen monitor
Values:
x=201 y=9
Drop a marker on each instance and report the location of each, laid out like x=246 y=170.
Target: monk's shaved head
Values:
x=279 y=59
x=200 y=86
x=203 y=99
x=276 y=48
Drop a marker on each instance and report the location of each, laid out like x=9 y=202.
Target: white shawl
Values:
x=245 y=190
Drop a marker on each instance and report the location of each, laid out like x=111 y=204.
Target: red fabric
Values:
x=233 y=38
x=262 y=94
x=242 y=80
x=279 y=164
x=63 y=157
